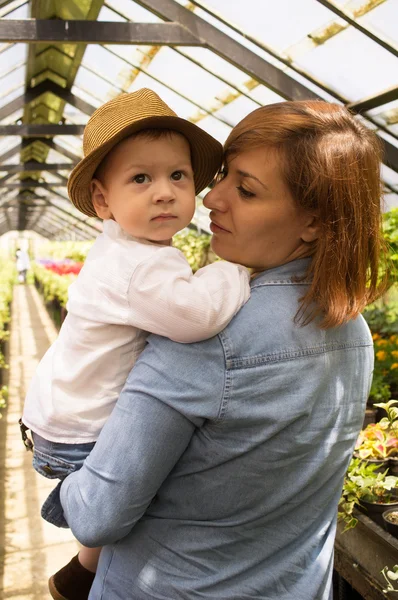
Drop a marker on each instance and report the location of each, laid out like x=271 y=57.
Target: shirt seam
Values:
x=282 y=282
x=227 y=378
x=275 y=357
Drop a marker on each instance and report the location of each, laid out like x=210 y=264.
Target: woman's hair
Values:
x=331 y=165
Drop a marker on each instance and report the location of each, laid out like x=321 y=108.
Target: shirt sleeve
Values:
x=172 y=390
x=166 y=298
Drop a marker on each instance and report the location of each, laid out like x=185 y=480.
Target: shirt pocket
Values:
x=50 y=466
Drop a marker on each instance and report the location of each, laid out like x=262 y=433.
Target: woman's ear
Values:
x=99 y=199
x=311 y=229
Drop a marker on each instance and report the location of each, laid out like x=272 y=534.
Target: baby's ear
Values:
x=98 y=198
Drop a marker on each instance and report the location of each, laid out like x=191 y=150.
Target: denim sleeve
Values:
x=172 y=389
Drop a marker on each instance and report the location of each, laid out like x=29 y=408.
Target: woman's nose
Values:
x=215 y=199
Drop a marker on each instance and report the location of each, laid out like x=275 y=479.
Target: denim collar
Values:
x=287 y=273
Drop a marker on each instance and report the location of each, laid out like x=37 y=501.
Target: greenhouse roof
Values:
x=213 y=62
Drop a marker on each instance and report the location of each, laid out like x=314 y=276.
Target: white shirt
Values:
x=23 y=262
x=126 y=289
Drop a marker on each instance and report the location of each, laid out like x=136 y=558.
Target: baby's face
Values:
x=148 y=187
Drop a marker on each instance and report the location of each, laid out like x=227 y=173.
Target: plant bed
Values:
x=360 y=555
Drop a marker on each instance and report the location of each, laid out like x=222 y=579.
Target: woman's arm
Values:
x=171 y=390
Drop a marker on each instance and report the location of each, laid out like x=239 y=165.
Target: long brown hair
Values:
x=331 y=164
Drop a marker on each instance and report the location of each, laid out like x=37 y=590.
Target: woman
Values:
x=219 y=472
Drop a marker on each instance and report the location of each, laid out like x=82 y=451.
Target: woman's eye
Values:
x=141 y=178
x=244 y=193
x=177 y=176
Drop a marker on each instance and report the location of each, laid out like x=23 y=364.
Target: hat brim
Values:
x=206 y=155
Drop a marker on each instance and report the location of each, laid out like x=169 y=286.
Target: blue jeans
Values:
x=57 y=461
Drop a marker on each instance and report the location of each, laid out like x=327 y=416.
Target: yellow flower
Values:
x=382 y=343
x=381 y=355
x=375 y=336
x=394 y=366
x=394 y=353
x=392 y=337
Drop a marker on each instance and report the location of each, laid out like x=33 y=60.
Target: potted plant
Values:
x=390 y=521
x=372 y=445
x=370 y=491
x=389 y=423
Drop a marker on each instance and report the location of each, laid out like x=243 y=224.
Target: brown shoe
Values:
x=72 y=582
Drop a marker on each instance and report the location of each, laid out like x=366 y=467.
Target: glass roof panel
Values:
x=86 y=96
x=390 y=201
x=367 y=69
x=8 y=142
x=390 y=176
x=383 y=20
x=13 y=79
x=87 y=80
x=10 y=94
x=74 y=115
x=132 y=11
x=109 y=66
x=18 y=114
x=18 y=9
x=278 y=24
x=71 y=143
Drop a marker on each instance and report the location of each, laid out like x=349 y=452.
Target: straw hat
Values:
x=127 y=114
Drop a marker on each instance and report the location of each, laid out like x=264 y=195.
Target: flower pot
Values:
x=393 y=466
x=388 y=524
x=375 y=510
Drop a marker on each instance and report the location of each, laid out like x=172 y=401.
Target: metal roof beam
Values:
x=65 y=94
x=374 y=101
x=12 y=106
x=10 y=153
x=37 y=166
x=96 y=32
x=391 y=155
x=340 y=13
x=87 y=225
x=229 y=49
x=27 y=184
x=54 y=146
x=75 y=221
x=29 y=129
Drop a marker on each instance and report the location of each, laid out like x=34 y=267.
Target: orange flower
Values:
x=394 y=366
x=381 y=355
x=393 y=337
x=375 y=336
x=394 y=353
x=382 y=343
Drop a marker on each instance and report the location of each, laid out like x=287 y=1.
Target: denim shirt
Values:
x=218 y=474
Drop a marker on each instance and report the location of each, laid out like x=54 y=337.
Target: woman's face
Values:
x=254 y=219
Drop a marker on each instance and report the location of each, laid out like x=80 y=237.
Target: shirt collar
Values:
x=284 y=273
x=113 y=230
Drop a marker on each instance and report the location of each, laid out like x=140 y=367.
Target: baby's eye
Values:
x=141 y=178
x=178 y=175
